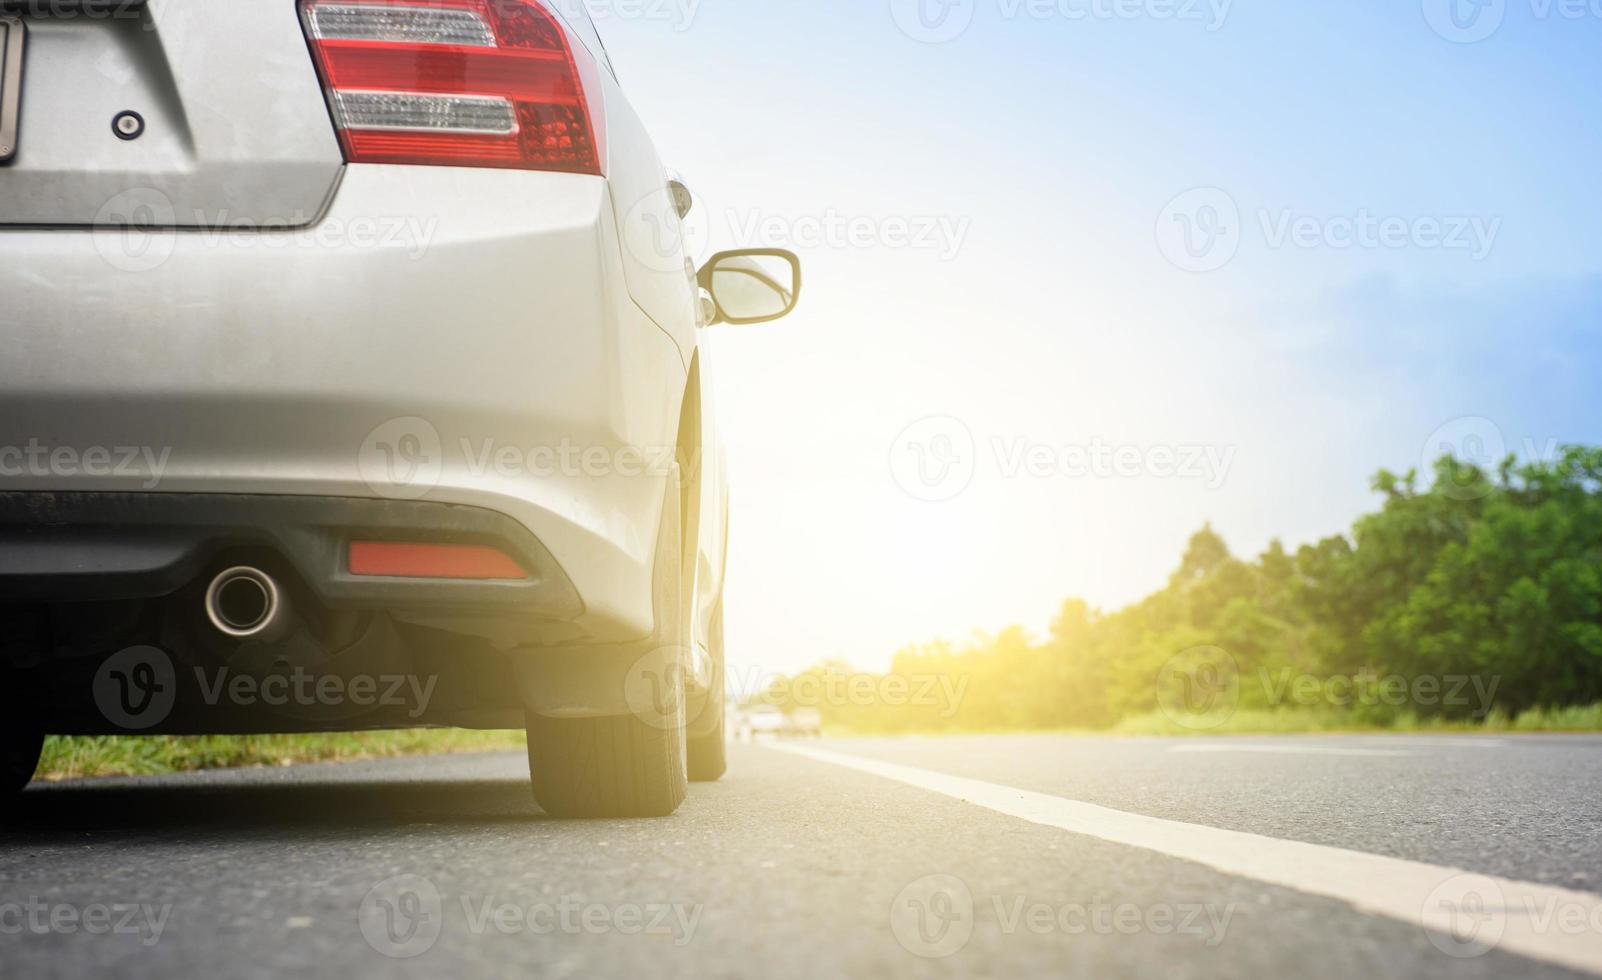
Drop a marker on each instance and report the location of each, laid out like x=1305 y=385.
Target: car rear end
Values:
x=333 y=292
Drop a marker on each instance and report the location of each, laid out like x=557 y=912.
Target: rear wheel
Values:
x=607 y=767
x=21 y=741
x=22 y=751
x=633 y=765
x=709 y=740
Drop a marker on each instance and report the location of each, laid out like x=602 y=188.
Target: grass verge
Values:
x=76 y=757
x=1313 y=721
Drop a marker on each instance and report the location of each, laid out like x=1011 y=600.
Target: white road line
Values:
x=1208 y=747
x=1465 y=914
x=1451 y=742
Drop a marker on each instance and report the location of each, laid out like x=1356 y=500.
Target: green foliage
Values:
x=1477 y=601
x=72 y=757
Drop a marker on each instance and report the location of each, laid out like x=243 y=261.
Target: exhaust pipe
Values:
x=247 y=604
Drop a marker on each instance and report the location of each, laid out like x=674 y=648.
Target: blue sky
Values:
x=1051 y=164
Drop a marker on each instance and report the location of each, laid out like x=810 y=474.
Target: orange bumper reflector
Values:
x=398 y=559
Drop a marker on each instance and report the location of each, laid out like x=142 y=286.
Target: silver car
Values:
x=351 y=377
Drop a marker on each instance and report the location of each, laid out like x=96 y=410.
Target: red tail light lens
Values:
x=458 y=83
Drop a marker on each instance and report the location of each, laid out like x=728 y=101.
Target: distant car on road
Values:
x=804 y=723
x=762 y=719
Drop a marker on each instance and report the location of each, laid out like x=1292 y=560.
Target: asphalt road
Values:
x=996 y=856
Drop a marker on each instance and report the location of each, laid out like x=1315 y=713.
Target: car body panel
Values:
x=274 y=363
x=176 y=334
x=235 y=130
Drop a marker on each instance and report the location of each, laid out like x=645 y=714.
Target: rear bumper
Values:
x=67 y=547
x=449 y=337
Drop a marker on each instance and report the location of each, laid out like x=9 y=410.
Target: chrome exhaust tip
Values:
x=246 y=604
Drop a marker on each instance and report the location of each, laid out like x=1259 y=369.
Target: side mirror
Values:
x=753 y=285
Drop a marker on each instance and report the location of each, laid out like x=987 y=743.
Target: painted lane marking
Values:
x=1464 y=914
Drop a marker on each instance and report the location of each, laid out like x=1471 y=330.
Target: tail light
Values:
x=458 y=83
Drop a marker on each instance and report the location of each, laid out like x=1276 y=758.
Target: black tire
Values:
x=709 y=753
x=19 y=758
x=634 y=765
x=606 y=767
x=709 y=748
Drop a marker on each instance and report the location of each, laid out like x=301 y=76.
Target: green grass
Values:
x=72 y=758
x=1312 y=721
x=1290 y=721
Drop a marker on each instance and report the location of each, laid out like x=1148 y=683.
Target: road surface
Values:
x=1341 y=857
